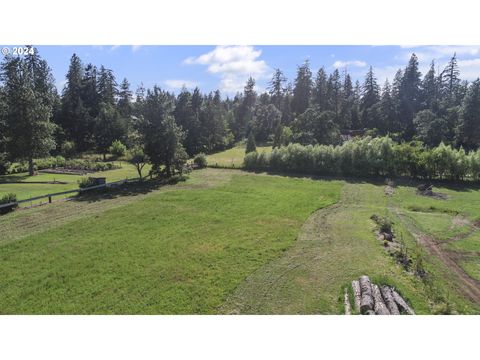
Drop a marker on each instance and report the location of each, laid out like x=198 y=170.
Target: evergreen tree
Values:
x=320 y=90
x=469 y=127
x=245 y=110
x=450 y=81
x=125 y=95
x=29 y=95
x=250 y=144
x=430 y=90
x=277 y=88
x=410 y=97
x=107 y=86
x=387 y=110
x=429 y=128
x=334 y=93
x=370 y=97
x=161 y=136
x=302 y=89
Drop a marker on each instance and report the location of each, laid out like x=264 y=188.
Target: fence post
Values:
x=49 y=199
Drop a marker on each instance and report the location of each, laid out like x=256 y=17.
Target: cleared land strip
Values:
x=336 y=244
x=468 y=286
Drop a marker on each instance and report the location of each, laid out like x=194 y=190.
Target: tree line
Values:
x=371 y=157
x=93 y=111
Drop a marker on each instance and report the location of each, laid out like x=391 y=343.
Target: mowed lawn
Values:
x=27 y=188
x=177 y=252
x=233 y=157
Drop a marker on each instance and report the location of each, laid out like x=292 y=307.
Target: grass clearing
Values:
x=27 y=188
x=233 y=157
x=169 y=252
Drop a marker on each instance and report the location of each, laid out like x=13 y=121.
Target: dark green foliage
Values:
x=200 y=160
x=7 y=199
x=316 y=127
x=117 y=149
x=161 y=136
x=469 y=127
x=267 y=119
x=29 y=97
x=251 y=146
x=302 y=89
x=430 y=129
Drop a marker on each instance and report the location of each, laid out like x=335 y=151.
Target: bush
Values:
x=117 y=149
x=86 y=182
x=370 y=157
x=200 y=160
x=6 y=199
x=67 y=149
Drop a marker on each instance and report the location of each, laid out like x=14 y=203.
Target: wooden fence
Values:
x=75 y=191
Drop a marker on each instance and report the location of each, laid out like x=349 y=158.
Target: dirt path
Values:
x=468 y=286
x=334 y=246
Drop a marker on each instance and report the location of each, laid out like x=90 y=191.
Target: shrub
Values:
x=7 y=199
x=117 y=149
x=4 y=164
x=368 y=157
x=86 y=182
x=200 y=160
x=67 y=149
x=250 y=144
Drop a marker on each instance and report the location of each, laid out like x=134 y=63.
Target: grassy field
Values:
x=235 y=242
x=169 y=252
x=233 y=157
x=27 y=189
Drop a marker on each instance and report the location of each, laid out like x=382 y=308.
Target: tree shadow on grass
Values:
x=128 y=189
x=380 y=180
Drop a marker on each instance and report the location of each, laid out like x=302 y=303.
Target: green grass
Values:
x=233 y=157
x=170 y=252
x=336 y=246
x=470 y=243
x=27 y=189
x=472 y=268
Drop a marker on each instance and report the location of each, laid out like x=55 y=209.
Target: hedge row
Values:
x=61 y=162
x=379 y=156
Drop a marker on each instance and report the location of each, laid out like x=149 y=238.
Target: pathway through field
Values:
x=336 y=244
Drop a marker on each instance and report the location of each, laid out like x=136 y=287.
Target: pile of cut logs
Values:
x=370 y=299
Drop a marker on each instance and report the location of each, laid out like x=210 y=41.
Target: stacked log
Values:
x=389 y=301
x=357 y=294
x=403 y=306
x=346 y=301
x=366 y=303
x=371 y=299
x=380 y=307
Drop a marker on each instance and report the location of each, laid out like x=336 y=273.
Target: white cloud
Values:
x=178 y=84
x=469 y=69
x=234 y=65
x=114 y=47
x=354 y=63
x=135 y=48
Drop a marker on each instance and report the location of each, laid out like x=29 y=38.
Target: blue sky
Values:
x=228 y=67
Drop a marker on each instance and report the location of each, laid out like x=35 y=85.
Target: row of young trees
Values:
x=379 y=156
x=93 y=111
